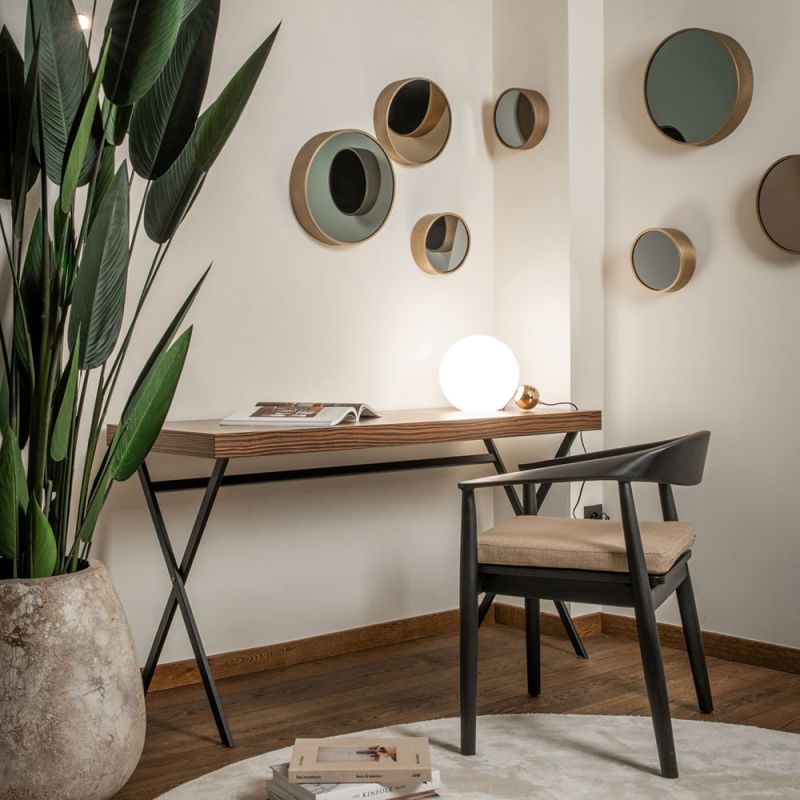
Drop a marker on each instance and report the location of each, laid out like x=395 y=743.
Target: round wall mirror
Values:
x=412 y=120
x=663 y=259
x=698 y=86
x=440 y=243
x=521 y=117
x=779 y=203
x=342 y=187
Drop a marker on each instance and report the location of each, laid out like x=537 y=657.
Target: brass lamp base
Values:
x=526 y=397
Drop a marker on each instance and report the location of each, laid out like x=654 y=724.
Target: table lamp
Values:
x=479 y=373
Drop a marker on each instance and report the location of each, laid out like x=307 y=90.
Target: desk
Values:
x=208 y=439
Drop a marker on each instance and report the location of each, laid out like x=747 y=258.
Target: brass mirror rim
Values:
x=758 y=203
x=541 y=117
x=744 y=87
x=298 y=186
x=687 y=258
x=380 y=121
x=419 y=237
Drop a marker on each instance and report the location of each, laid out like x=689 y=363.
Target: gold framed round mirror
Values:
x=521 y=117
x=779 y=203
x=342 y=187
x=698 y=86
x=663 y=259
x=440 y=243
x=412 y=120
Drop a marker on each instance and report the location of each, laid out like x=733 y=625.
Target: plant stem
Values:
x=91 y=446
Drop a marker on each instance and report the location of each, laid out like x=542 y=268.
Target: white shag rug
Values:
x=568 y=757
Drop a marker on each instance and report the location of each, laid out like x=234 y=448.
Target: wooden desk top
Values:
x=209 y=439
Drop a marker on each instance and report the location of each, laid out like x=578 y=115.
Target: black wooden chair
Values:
x=628 y=564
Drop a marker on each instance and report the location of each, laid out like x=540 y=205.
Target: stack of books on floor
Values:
x=356 y=769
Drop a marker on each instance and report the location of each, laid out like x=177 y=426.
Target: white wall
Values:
x=723 y=353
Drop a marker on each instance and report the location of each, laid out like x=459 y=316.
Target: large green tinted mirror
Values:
x=663 y=259
x=698 y=86
x=342 y=187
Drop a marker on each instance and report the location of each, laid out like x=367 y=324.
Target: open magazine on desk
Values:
x=311 y=415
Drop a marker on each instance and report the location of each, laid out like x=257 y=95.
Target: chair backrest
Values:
x=677 y=461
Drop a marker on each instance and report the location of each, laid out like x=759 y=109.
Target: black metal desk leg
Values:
x=178 y=595
x=541 y=494
x=209 y=496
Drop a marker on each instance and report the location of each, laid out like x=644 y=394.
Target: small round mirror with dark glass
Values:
x=440 y=243
x=412 y=120
x=698 y=86
x=779 y=203
x=663 y=259
x=521 y=117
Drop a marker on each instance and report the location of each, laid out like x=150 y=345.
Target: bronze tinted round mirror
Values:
x=663 y=259
x=521 y=117
x=412 y=120
x=342 y=187
x=440 y=243
x=779 y=203
x=698 y=86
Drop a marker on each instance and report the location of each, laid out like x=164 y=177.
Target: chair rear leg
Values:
x=532 y=646
x=469 y=669
x=656 y=683
x=694 y=645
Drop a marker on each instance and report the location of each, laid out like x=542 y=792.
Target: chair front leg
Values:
x=468 y=623
x=649 y=645
x=694 y=644
x=533 y=646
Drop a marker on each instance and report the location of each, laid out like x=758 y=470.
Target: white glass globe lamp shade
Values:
x=479 y=373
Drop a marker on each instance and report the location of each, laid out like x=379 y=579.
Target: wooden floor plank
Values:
x=418 y=680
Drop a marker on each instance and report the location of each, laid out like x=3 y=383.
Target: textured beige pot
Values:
x=72 y=716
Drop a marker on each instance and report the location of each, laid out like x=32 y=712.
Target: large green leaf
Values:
x=142 y=35
x=11 y=82
x=173 y=193
x=79 y=141
x=23 y=168
x=219 y=120
x=5 y=403
x=30 y=284
x=147 y=409
x=45 y=552
x=96 y=504
x=105 y=177
x=98 y=299
x=59 y=440
x=163 y=120
x=63 y=71
x=115 y=122
x=13 y=493
x=170 y=197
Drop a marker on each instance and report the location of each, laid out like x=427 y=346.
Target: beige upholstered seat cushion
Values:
x=565 y=543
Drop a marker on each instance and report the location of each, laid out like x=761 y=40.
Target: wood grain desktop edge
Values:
x=209 y=439
x=286 y=654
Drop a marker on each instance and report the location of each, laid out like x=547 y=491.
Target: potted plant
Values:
x=71 y=702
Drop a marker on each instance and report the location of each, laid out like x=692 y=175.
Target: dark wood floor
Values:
x=418 y=680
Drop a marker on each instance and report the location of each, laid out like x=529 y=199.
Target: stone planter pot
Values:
x=72 y=715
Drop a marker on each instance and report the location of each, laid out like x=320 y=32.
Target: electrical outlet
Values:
x=594 y=512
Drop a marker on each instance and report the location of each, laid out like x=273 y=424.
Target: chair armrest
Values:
x=621 y=464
